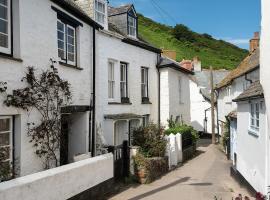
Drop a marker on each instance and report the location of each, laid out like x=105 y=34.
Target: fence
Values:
x=179 y=149
x=60 y=183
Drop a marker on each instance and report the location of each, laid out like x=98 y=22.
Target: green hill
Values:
x=188 y=44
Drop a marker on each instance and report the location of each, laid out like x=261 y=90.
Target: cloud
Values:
x=238 y=41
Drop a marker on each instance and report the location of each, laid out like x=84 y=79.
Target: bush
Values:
x=181 y=32
x=185 y=130
x=150 y=140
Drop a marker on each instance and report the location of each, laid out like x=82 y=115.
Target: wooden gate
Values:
x=121 y=160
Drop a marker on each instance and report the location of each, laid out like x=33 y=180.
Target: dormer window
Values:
x=132 y=26
x=100 y=11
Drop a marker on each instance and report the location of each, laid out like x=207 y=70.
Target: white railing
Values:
x=60 y=183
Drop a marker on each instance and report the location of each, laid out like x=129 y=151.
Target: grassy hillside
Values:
x=218 y=53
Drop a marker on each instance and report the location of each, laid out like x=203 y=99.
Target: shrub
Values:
x=185 y=130
x=150 y=140
x=182 y=32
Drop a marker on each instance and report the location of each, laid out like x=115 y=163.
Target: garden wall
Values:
x=60 y=183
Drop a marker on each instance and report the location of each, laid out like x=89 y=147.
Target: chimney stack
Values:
x=254 y=42
x=197 y=64
x=187 y=64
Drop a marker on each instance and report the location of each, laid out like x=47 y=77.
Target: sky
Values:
x=232 y=20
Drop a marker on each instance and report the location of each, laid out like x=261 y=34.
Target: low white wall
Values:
x=61 y=182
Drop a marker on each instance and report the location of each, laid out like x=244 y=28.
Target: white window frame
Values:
x=133 y=27
x=144 y=82
x=66 y=43
x=98 y=12
x=7 y=50
x=180 y=91
x=123 y=68
x=111 y=80
x=254 y=117
x=10 y=159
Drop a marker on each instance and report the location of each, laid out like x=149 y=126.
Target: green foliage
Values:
x=185 y=130
x=5 y=167
x=188 y=44
x=151 y=140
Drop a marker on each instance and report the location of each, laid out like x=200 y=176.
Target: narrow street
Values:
x=202 y=178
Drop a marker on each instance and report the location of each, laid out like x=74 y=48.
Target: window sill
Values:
x=70 y=66
x=146 y=102
x=253 y=133
x=118 y=103
x=10 y=57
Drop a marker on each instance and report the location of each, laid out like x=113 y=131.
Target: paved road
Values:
x=202 y=178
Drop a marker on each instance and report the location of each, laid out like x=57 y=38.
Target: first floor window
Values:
x=132 y=26
x=66 y=35
x=111 y=81
x=100 y=11
x=123 y=81
x=145 y=120
x=5 y=24
x=144 y=82
x=6 y=141
x=254 y=116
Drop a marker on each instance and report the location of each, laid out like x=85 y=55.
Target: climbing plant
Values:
x=45 y=93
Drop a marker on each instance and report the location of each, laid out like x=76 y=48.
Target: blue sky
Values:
x=231 y=20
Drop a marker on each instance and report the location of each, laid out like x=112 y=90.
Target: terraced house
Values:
x=66 y=37
x=126 y=77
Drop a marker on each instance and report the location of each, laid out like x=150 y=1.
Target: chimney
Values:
x=254 y=42
x=169 y=53
x=187 y=64
x=197 y=64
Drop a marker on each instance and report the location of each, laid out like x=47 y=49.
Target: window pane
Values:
x=70 y=40
x=60 y=35
x=71 y=32
x=61 y=54
x=258 y=123
x=3 y=40
x=4 y=2
x=60 y=26
x=6 y=152
x=4 y=125
x=4 y=139
x=71 y=49
x=3 y=26
x=3 y=12
x=61 y=45
x=71 y=57
x=252 y=122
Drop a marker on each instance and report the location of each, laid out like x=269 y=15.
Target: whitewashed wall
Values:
x=264 y=70
x=250 y=149
x=170 y=104
x=60 y=183
x=35 y=42
x=112 y=48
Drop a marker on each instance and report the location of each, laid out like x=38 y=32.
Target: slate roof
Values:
x=119 y=10
x=167 y=62
x=202 y=79
x=254 y=91
x=77 y=11
x=250 y=63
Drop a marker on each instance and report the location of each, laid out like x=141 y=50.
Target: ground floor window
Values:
x=145 y=120
x=254 y=122
x=6 y=144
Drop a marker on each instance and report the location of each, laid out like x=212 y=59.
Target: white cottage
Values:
x=31 y=33
x=126 y=74
x=174 y=92
x=265 y=74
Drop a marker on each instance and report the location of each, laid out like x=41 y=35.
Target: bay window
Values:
x=100 y=11
x=5 y=26
x=66 y=35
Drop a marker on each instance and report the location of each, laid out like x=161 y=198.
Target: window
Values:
x=254 y=116
x=180 y=89
x=6 y=139
x=144 y=83
x=145 y=120
x=111 y=81
x=228 y=89
x=66 y=43
x=5 y=27
x=132 y=26
x=123 y=81
x=100 y=11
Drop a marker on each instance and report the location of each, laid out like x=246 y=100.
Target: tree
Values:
x=46 y=94
x=182 y=32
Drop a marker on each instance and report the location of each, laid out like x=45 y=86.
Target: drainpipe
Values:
x=217 y=95
x=158 y=60
x=93 y=132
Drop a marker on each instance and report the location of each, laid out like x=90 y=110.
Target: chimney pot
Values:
x=254 y=42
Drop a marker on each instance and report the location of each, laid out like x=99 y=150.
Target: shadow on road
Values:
x=182 y=180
